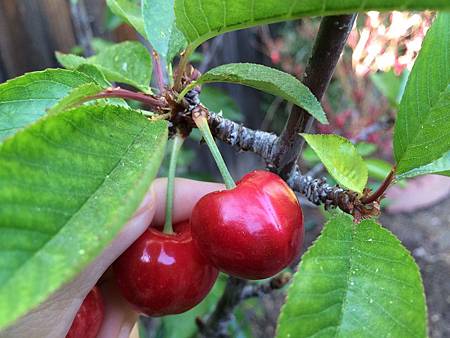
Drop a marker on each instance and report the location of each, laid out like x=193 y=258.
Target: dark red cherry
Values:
x=89 y=317
x=252 y=231
x=162 y=274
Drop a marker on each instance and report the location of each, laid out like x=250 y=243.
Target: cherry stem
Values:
x=181 y=68
x=176 y=146
x=381 y=189
x=202 y=124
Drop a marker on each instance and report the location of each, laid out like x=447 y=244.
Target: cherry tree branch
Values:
x=236 y=290
x=330 y=41
x=241 y=137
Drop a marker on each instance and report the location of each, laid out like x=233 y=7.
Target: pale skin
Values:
x=53 y=318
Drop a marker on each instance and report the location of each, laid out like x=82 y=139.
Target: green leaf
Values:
x=269 y=80
x=201 y=20
x=341 y=159
x=79 y=94
x=440 y=166
x=127 y=62
x=355 y=281
x=159 y=20
x=130 y=12
x=25 y=99
x=177 y=44
x=95 y=74
x=421 y=134
x=378 y=169
x=75 y=96
x=68 y=184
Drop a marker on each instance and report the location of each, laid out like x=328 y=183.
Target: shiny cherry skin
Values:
x=162 y=274
x=252 y=231
x=89 y=317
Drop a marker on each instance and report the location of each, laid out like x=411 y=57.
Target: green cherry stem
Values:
x=202 y=124
x=177 y=142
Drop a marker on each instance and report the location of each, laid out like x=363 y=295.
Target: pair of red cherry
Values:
x=252 y=231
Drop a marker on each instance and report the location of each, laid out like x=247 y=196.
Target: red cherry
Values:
x=89 y=317
x=252 y=231
x=162 y=274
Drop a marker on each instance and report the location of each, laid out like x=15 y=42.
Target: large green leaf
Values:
x=200 y=20
x=269 y=80
x=130 y=12
x=127 y=62
x=25 y=99
x=357 y=280
x=341 y=159
x=422 y=129
x=162 y=32
x=75 y=96
x=68 y=184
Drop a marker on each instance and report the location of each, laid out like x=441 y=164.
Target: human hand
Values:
x=53 y=318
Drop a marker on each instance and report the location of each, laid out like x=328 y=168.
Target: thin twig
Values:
x=216 y=326
x=330 y=41
x=258 y=290
x=236 y=291
x=83 y=30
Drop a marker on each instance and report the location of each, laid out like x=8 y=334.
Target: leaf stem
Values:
x=202 y=124
x=177 y=143
x=381 y=189
x=186 y=90
x=117 y=92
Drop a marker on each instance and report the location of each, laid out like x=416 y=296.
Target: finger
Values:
x=119 y=317
x=186 y=194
